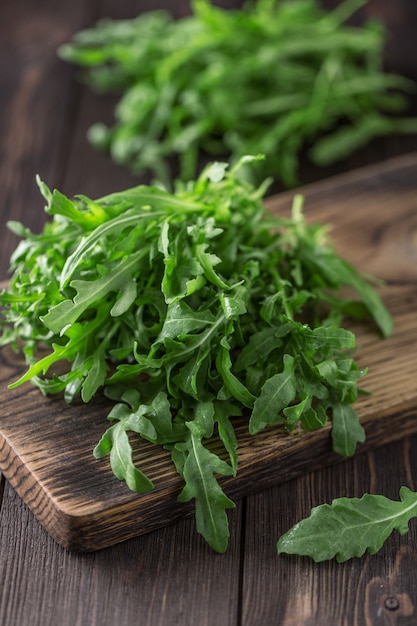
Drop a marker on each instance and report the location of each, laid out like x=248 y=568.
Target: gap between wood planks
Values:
x=242 y=549
x=2 y=482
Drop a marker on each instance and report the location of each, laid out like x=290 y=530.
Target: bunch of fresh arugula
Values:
x=273 y=77
x=189 y=309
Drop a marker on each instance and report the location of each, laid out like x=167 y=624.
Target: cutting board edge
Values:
x=83 y=531
x=354 y=175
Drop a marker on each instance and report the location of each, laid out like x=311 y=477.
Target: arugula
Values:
x=349 y=526
x=315 y=84
x=188 y=310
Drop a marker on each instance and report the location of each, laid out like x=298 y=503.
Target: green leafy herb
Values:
x=273 y=77
x=349 y=526
x=188 y=310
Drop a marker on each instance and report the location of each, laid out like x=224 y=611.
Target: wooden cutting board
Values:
x=46 y=445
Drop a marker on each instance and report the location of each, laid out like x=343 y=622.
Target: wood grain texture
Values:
x=166 y=578
x=47 y=457
x=37 y=98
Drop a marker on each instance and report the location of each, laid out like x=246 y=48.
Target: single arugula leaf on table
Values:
x=186 y=310
x=349 y=526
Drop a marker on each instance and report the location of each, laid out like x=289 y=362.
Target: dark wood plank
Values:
x=36 y=100
x=48 y=459
x=399 y=20
x=165 y=578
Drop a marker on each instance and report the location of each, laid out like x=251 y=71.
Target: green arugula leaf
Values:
x=276 y=394
x=232 y=384
x=224 y=411
x=58 y=204
x=349 y=526
x=200 y=483
x=328 y=337
x=88 y=292
x=116 y=441
x=346 y=429
x=189 y=377
x=86 y=246
x=77 y=334
x=260 y=345
x=181 y=320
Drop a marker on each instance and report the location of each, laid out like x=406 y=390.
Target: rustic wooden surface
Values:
x=169 y=576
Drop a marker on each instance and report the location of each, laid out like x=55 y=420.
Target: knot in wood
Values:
x=392 y=603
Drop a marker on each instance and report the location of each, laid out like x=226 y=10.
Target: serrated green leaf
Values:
x=125 y=300
x=89 y=292
x=295 y=412
x=276 y=394
x=208 y=261
x=110 y=228
x=314 y=418
x=179 y=351
x=260 y=345
x=77 y=335
x=116 y=442
x=329 y=337
x=211 y=502
x=203 y=421
x=61 y=205
x=181 y=320
x=96 y=368
x=223 y=412
x=191 y=376
x=159 y=412
x=235 y=387
x=347 y=431
x=182 y=269
x=349 y=526
x=233 y=302
x=149 y=417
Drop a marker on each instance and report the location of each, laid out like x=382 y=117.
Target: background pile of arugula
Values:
x=275 y=77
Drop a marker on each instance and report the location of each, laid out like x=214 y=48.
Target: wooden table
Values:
x=169 y=576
